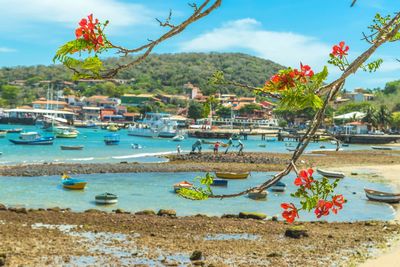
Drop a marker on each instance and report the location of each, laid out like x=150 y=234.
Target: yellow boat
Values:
x=112 y=128
x=232 y=175
x=72 y=183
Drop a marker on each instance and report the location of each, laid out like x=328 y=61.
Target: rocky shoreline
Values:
x=60 y=237
x=207 y=162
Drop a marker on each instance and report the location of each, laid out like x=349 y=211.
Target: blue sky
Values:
x=286 y=32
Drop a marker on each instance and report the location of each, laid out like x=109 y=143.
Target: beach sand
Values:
x=391 y=174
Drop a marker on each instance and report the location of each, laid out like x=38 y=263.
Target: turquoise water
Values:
x=139 y=191
x=96 y=151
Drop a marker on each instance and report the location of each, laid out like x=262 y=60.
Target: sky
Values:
x=286 y=32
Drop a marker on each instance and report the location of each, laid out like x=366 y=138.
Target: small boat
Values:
x=345 y=145
x=381 y=148
x=382 y=196
x=270 y=139
x=15 y=130
x=3 y=134
x=278 y=187
x=71 y=147
x=32 y=138
x=219 y=182
x=106 y=198
x=183 y=184
x=262 y=145
x=232 y=175
x=111 y=139
x=322 y=146
x=72 y=183
x=112 y=128
x=290 y=149
x=178 y=138
x=66 y=134
x=331 y=174
x=256 y=194
x=136 y=146
x=333 y=142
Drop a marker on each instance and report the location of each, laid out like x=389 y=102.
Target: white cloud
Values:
x=19 y=12
x=286 y=48
x=6 y=50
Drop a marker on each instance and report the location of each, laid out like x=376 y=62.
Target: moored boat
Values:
x=15 y=130
x=232 y=175
x=382 y=196
x=381 y=148
x=331 y=174
x=106 y=198
x=3 y=134
x=71 y=147
x=278 y=187
x=112 y=128
x=178 y=138
x=72 y=183
x=257 y=194
x=111 y=139
x=219 y=182
x=66 y=134
x=183 y=184
x=32 y=138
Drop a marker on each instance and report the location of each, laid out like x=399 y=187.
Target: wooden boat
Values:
x=345 y=145
x=32 y=138
x=331 y=174
x=322 y=146
x=381 y=148
x=262 y=145
x=178 y=138
x=278 y=187
x=74 y=184
x=15 y=130
x=3 y=134
x=256 y=194
x=106 y=198
x=382 y=196
x=71 y=147
x=183 y=184
x=232 y=175
x=219 y=182
x=111 y=139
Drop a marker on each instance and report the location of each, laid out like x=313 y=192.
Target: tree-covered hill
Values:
x=168 y=72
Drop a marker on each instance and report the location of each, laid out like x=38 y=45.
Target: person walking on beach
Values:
x=230 y=142
x=178 y=149
x=216 y=146
x=240 y=146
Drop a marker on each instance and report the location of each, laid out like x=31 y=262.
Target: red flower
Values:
x=322 y=208
x=290 y=212
x=337 y=202
x=305 y=178
x=340 y=50
x=90 y=31
x=306 y=70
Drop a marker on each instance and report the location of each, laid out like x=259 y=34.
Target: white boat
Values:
x=382 y=196
x=278 y=187
x=178 y=138
x=136 y=146
x=257 y=194
x=331 y=174
x=381 y=147
x=106 y=198
x=155 y=125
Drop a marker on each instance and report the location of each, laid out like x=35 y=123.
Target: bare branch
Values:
x=353 y=3
x=167 y=21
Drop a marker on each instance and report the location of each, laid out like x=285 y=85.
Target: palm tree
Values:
x=370 y=117
x=383 y=117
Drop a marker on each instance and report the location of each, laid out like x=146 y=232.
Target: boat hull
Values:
x=381 y=148
x=34 y=142
x=329 y=174
x=232 y=175
x=219 y=182
x=71 y=147
x=106 y=198
x=257 y=195
x=382 y=196
x=73 y=184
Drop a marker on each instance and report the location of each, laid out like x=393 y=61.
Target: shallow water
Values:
x=96 y=151
x=139 y=191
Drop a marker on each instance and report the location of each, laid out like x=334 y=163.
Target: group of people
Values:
x=198 y=146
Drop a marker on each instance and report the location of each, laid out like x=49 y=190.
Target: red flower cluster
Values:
x=90 y=31
x=323 y=206
x=305 y=178
x=340 y=50
x=290 y=212
x=288 y=78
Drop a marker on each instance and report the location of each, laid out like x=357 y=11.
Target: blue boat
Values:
x=220 y=182
x=74 y=184
x=111 y=139
x=32 y=138
x=278 y=187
